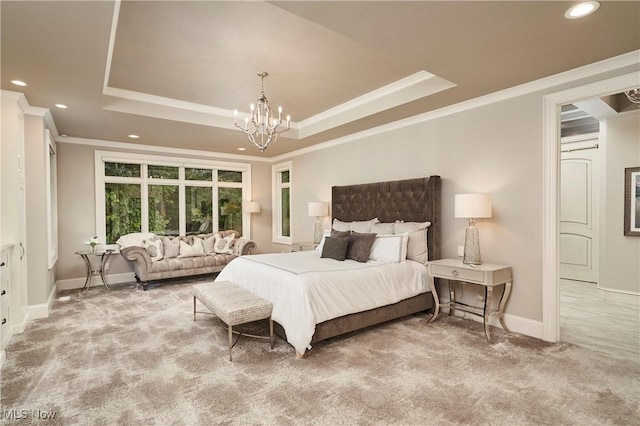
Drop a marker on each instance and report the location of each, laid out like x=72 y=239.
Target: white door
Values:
x=579 y=211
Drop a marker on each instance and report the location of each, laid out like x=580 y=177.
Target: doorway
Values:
x=551 y=190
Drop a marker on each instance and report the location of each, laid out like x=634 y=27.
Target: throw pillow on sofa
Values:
x=195 y=250
x=223 y=245
x=209 y=244
x=171 y=247
x=154 y=247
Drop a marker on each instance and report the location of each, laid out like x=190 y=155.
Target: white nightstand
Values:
x=488 y=275
x=304 y=246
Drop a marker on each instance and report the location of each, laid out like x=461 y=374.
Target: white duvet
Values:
x=306 y=290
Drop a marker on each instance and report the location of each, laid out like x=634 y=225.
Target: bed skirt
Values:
x=359 y=320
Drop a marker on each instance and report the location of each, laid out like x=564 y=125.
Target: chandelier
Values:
x=633 y=96
x=262 y=128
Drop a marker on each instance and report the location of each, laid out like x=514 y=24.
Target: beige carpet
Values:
x=138 y=358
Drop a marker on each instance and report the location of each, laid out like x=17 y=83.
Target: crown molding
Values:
x=587 y=71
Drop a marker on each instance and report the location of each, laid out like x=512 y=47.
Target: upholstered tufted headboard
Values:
x=411 y=200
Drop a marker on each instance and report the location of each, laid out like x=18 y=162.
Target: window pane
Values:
x=122 y=208
x=286 y=219
x=198 y=202
x=122 y=169
x=163 y=172
x=198 y=174
x=164 y=210
x=230 y=209
x=227 y=176
x=284 y=176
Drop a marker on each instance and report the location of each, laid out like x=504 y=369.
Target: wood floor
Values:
x=592 y=318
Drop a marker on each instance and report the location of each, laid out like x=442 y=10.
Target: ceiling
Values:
x=173 y=72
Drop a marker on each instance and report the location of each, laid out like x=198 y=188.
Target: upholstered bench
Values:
x=233 y=306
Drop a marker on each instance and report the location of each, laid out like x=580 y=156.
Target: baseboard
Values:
x=515 y=323
x=43 y=310
x=618 y=296
x=77 y=283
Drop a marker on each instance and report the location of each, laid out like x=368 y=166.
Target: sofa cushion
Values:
x=186 y=250
x=155 y=248
x=223 y=245
x=171 y=247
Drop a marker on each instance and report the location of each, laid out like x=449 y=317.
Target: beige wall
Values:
x=619 y=254
x=40 y=279
x=494 y=149
x=77 y=216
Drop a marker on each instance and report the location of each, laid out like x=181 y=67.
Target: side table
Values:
x=103 y=256
x=487 y=275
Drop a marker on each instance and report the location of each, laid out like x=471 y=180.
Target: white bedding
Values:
x=306 y=290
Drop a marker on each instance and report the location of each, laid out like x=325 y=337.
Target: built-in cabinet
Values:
x=13 y=224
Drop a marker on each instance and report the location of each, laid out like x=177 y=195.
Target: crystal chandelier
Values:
x=633 y=96
x=263 y=128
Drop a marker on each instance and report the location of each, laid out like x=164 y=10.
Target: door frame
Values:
x=551 y=190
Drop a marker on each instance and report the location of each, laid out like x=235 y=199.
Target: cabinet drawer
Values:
x=451 y=272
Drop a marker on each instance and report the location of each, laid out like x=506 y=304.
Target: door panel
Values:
x=578 y=213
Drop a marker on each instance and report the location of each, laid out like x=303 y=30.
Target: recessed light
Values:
x=242 y=149
x=581 y=9
x=61 y=106
x=134 y=136
x=19 y=82
x=64 y=135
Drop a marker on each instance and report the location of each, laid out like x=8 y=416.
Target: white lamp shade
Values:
x=251 y=206
x=473 y=206
x=318 y=208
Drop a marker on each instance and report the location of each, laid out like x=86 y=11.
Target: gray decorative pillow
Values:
x=360 y=246
x=335 y=248
x=171 y=247
x=340 y=234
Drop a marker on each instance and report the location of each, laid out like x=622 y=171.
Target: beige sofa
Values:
x=146 y=268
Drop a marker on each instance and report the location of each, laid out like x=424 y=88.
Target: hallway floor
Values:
x=600 y=320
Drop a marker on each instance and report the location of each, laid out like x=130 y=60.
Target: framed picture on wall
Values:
x=632 y=201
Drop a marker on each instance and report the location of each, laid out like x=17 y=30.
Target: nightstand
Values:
x=304 y=246
x=487 y=275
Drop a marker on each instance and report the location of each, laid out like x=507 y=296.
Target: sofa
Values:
x=160 y=257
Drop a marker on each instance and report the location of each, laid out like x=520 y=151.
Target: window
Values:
x=282 y=203
x=141 y=193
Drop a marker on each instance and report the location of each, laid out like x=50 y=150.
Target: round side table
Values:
x=103 y=256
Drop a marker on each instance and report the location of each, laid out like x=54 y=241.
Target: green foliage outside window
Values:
x=230 y=209
x=123 y=210
x=122 y=169
x=286 y=214
x=164 y=211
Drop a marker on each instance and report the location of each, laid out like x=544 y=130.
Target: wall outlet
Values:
x=460 y=251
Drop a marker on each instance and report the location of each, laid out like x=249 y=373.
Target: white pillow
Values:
x=389 y=248
x=417 y=247
x=155 y=248
x=195 y=250
x=209 y=245
x=361 y=226
x=382 y=228
x=134 y=239
x=223 y=245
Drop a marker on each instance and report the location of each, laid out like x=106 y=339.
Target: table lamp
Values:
x=472 y=207
x=319 y=209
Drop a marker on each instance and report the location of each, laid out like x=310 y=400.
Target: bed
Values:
x=315 y=299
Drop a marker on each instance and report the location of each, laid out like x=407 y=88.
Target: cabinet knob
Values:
x=4 y=320
x=2 y=264
x=3 y=292
x=454 y=272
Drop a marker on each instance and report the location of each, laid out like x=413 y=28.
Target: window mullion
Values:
x=144 y=199
x=182 y=209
